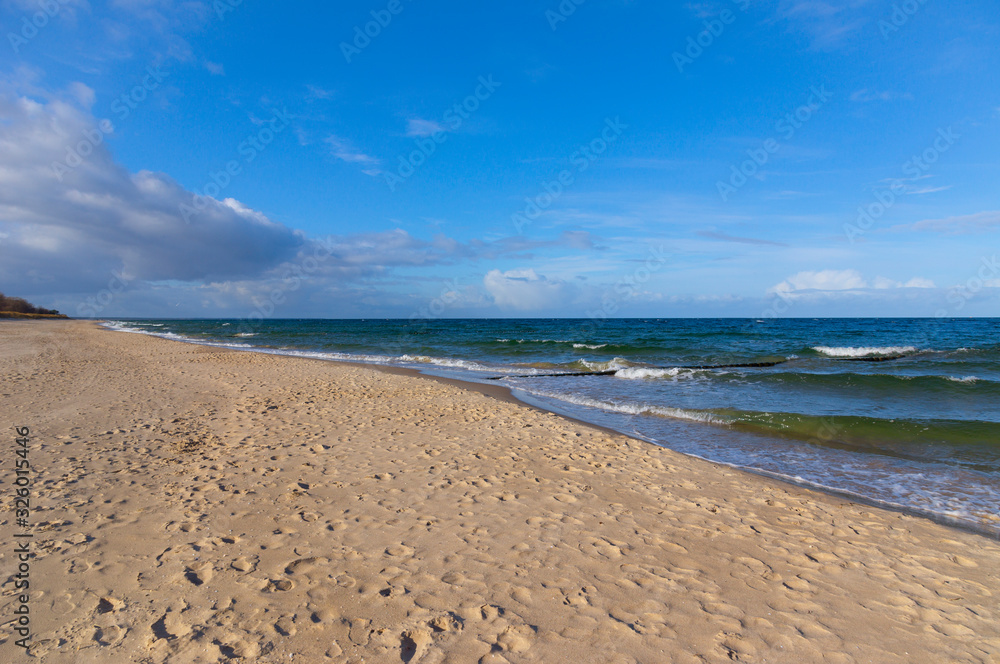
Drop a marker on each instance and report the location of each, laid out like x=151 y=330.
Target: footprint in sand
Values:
x=399 y=550
x=454 y=578
x=110 y=636
x=200 y=573
x=522 y=595
x=242 y=564
x=516 y=639
x=63 y=604
x=413 y=644
x=285 y=626
x=305 y=566
x=325 y=615
x=359 y=633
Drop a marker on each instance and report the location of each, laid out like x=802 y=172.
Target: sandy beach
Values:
x=195 y=504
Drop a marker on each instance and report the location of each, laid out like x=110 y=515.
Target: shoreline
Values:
x=194 y=504
x=506 y=394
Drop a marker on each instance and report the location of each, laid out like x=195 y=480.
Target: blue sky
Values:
x=616 y=158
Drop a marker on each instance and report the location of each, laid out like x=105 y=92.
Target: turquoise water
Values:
x=902 y=412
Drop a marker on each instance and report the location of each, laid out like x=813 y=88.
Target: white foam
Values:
x=967 y=379
x=630 y=408
x=590 y=346
x=453 y=363
x=641 y=373
x=122 y=326
x=615 y=364
x=863 y=351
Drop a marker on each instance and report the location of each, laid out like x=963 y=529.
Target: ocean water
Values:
x=903 y=413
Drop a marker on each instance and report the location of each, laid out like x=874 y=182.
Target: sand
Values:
x=193 y=504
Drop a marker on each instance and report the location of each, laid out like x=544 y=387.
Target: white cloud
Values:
x=215 y=68
x=828 y=24
x=919 y=191
x=343 y=149
x=969 y=223
x=67 y=239
x=825 y=280
x=842 y=280
x=314 y=92
x=864 y=95
x=883 y=283
x=76 y=224
x=524 y=290
x=419 y=127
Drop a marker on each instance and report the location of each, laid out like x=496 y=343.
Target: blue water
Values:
x=904 y=413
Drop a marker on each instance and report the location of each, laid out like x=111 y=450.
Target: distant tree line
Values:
x=19 y=305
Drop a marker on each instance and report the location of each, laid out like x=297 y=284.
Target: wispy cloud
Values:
x=343 y=150
x=864 y=95
x=958 y=225
x=712 y=235
x=314 y=92
x=827 y=24
x=838 y=281
x=421 y=127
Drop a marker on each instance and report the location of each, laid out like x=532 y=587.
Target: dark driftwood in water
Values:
x=614 y=371
x=553 y=375
x=885 y=358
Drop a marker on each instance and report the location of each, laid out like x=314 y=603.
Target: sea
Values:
x=898 y=413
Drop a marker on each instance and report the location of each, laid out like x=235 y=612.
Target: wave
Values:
x=615 y=364
x=864 y=351
x=966 y=443
x=630 y=408
x=123 y=326
x=454 y=363
x=643 y=373
x=868 y=385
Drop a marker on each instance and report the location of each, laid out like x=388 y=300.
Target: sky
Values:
x=582 y=158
